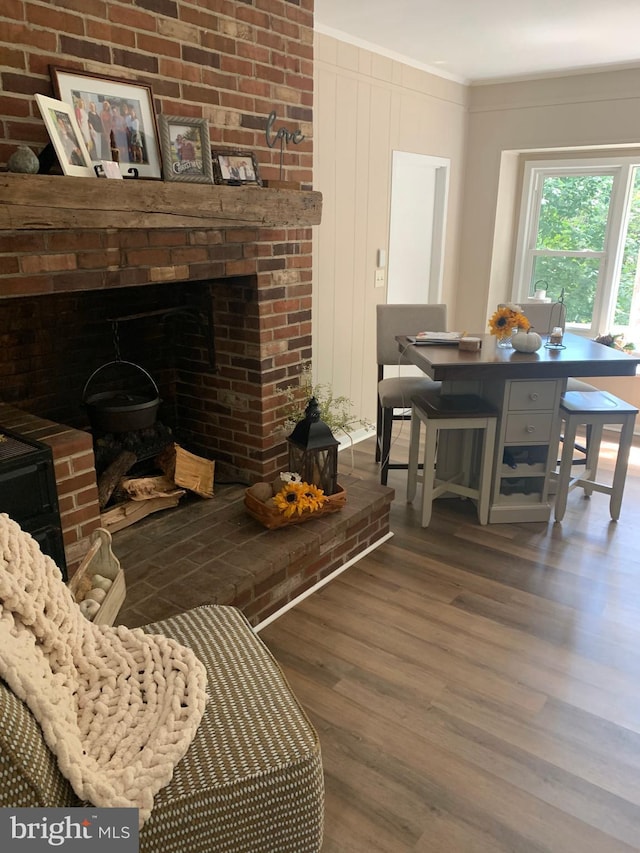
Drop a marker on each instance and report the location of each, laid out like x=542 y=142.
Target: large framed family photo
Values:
x=116 y=119
x=186 y=149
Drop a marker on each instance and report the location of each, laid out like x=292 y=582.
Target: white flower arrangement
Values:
x=290 y=477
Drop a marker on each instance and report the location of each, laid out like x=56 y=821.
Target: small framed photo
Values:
x=116 y=119
x=66 y=137
x=235 y=168
x=186 y=149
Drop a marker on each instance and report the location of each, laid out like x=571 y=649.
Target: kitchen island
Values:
x=526 y=389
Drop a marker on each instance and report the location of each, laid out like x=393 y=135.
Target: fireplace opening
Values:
x=144 y=444
x=190 y=338
x=217 y=350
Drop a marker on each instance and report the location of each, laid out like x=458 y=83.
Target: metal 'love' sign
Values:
x=283 y=134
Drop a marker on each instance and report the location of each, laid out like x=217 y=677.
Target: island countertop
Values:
x=579 y=357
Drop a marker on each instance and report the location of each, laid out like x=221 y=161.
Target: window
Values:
x=579 y=238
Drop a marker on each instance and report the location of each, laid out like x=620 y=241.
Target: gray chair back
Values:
x=545 y=315
x=405 y=319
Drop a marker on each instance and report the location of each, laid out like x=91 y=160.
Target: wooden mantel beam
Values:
x=50 y=202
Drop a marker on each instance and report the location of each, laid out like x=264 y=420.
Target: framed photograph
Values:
x=186 y=149
x=116 y=119
x=235 y=168
x=66 y=137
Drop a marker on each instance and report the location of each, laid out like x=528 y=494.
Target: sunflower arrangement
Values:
x=507 y=318
x=289 y=500
x=298 y=497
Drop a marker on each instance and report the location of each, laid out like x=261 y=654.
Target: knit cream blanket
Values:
x=118 y=707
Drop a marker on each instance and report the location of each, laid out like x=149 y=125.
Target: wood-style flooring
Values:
x=477 y=689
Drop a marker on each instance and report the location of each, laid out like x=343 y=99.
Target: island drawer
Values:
x=531 y=427
x=527 y=395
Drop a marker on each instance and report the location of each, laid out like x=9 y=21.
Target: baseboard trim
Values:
x=291 y=604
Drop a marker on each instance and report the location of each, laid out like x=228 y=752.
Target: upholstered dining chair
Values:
x=544 y=317
x=395 y=392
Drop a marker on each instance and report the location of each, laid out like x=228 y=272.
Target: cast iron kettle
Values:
x=121 y=411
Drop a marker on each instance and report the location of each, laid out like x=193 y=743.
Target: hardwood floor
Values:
x=477 y=689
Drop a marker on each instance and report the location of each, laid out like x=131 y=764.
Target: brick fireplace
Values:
x=219 y=317
x=75 y=253
x=221 y=335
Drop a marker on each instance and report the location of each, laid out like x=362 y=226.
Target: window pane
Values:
x=628 y=273
x=573 y=212
x=577 y=277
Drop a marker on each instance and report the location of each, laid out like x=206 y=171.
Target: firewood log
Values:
x=112 y=475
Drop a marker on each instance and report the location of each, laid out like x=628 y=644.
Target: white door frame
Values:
x=429 y=197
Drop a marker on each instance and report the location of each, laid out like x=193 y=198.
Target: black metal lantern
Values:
x=313 y=451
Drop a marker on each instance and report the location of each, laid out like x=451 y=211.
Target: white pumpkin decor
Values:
x=101 y=582
x=89 y=608
x=96 y=594
x=526 y=341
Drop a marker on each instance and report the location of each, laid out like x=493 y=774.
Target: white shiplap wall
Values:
x=365 y=106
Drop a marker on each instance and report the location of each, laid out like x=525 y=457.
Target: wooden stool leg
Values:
x=620 y=471
x=429 y=472
x=486 y=468
x=414 y=454
x=564 y=474
x=467 y=453
x=593 y=456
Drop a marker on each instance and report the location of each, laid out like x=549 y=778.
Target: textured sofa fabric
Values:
x=251 y=781
x=29 y=774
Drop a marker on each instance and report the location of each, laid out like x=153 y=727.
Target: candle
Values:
x=469 y=344
x=555 y=337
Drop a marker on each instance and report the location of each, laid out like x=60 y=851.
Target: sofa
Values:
x=251 y=779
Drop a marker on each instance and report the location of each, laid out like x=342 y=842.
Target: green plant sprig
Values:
x=336 y=412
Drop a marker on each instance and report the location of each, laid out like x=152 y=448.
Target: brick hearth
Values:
x=212 y=552
x=205 y=551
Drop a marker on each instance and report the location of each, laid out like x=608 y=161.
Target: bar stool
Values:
x=440 y=412
x=593 y=409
